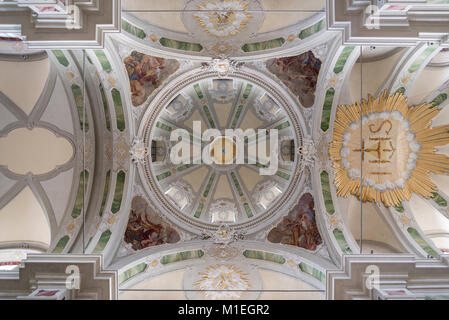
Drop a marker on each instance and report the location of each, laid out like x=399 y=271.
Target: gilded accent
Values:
x=405 y=220
x=334 y=81
x=334 y=221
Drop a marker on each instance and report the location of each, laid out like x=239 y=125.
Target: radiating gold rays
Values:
x=394 y=149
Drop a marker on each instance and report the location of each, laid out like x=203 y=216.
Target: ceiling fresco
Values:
x=299 y=227
x=397 y=150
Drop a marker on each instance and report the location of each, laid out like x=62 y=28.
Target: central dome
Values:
x=201 y=175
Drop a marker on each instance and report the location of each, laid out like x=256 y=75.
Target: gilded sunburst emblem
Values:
x=222 y=282
x=393 y=144
x=223 y=18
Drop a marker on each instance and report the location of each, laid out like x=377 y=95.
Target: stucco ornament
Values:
x=222 y=26
x=138 y=151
